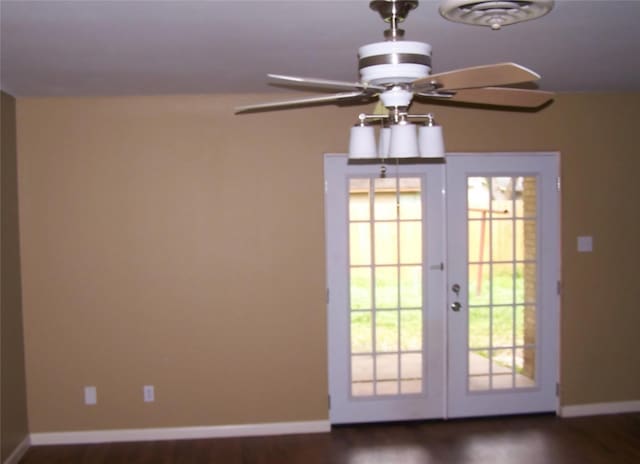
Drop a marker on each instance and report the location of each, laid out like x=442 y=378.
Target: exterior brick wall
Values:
x=529 y=197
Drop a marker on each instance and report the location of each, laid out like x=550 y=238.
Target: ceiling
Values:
x=91 y=47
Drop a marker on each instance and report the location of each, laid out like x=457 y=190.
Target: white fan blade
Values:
x=477 y=76
x=334 y=98
x=314 y=83
x=499 y=96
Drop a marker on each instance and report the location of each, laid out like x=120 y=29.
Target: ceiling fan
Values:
x=395 y=71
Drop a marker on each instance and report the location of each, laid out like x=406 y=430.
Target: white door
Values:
x=386 y=291
x=503 y=279
x=408 y=340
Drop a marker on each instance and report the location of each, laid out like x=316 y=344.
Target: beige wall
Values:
x=13 y=428
x=167 y=242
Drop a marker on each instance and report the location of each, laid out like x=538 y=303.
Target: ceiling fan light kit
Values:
x=398 y=137
x=395 y=71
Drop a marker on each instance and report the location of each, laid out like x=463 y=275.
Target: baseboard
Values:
x=19 y=452
x=179 y=433
x=596 y=409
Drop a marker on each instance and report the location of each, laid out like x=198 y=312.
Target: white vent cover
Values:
x=494 y=14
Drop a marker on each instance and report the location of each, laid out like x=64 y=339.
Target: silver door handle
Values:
x=455 y=306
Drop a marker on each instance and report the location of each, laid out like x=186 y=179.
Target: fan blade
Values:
x=314 y=83
x=500 y=96
x=334 y=98
x=477 y=76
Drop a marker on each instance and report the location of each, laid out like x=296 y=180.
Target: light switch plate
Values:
x=585 y=244
x=148 y=393
x=90 y=395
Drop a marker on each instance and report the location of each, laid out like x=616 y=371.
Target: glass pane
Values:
x=502 y=332
x=385 y=208
x=502 y=361
x=525 y=367
x=411 y=386
x=361 y=375
x=361 y=368
x=411 y=330
x=526 y=236
x=386 y=242
x=478 y=241
x=386 y=287
x=479 y=327
x=529 y=197
x=526 y=290
x=359 y=206
x=387 y=388
x=386 y=331
x=411 y=242
x=502 y=381
x=410 y=200
x=385 y=184
x=529 y=325
x=519 y=334
x=387 y=367
x=411 y=286
x=479 y=284
x=478 y=362
x=362 y=388
x=361 y=331
x=502 y=193
x=385 y=203
x=524 y=382
x=411 y=366
x=359 y=243
x=503 y=281
x=480 y=382
x=502 y=240
x=477 y=197
x=360 y=288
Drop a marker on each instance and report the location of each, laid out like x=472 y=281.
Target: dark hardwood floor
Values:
x=540 y=439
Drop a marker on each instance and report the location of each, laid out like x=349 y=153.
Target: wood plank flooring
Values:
x=537 y=439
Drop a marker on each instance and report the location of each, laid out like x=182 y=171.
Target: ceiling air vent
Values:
x=494 y=14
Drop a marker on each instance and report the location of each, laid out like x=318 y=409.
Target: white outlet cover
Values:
x=90 y=395
x=585 y=244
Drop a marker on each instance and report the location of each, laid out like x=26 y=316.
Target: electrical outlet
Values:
x=148 y=394
x=90 y=395
x=585 y=244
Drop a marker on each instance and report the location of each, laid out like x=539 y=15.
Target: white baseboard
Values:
x=596 y=409
x=19 y=452
x=179 y=433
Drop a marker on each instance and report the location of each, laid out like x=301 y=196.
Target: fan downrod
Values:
x=393 y=8
x=393 y=12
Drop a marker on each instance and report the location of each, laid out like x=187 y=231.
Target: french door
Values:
x=423 y=327
x=386 y=290
x=503 y=279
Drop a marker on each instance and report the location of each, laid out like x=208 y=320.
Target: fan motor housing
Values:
x=394 y=62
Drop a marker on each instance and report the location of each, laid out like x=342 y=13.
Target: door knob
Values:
x=455 y=288
x=455 y=306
